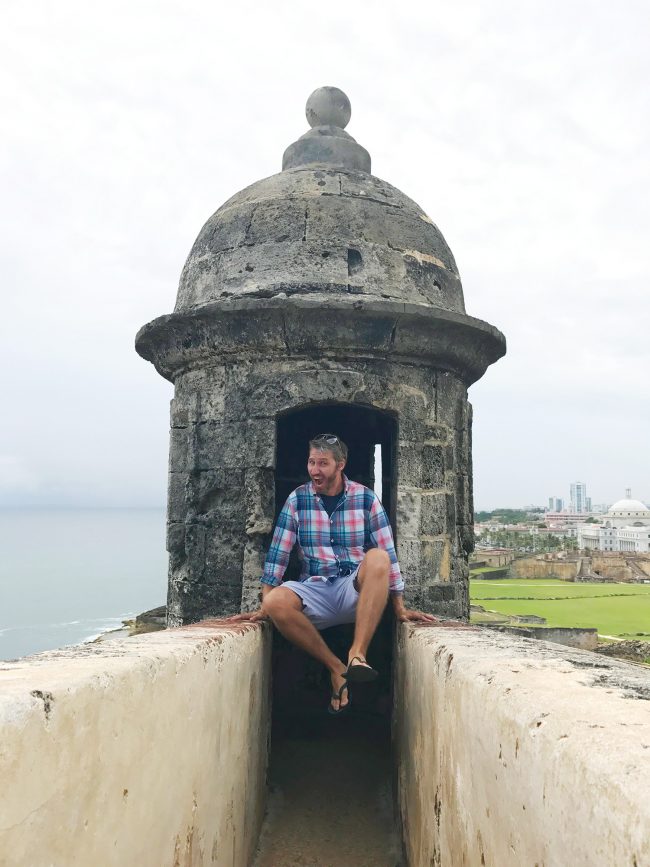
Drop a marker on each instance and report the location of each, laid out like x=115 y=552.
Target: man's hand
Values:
x=405 y=615
x=247 y=616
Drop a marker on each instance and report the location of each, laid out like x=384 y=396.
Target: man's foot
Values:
x=359 y=671
x=340 y=694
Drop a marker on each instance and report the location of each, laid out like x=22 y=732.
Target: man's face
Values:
x=324 y=471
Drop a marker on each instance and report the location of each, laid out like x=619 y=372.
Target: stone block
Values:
x=215 y=497
x=224 y=232
x=176 y=540
x=433 y=518
x=451 y=399
x=195 y=552
x=252 y=568
x=251 y=444
x=199 y=395
x=421 y=560
x=357 y=220
x=433 y=469
x=466 y=537
x=409 y=464
x=276 y=221
x=450 y=507
x=179 y=450
x=436 y=434
x=224 y=555
x=177 y=497
x=408 y=514
x=259 y=496
x=464 y=500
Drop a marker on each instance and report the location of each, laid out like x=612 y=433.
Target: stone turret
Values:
x=319 y=299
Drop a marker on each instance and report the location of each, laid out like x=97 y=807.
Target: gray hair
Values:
x=330 y=443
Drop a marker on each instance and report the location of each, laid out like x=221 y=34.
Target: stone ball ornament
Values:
x=328 y=106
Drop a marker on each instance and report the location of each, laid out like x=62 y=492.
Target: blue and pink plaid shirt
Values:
x=330 y=546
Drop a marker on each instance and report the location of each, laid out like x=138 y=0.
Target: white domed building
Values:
x=626 y=527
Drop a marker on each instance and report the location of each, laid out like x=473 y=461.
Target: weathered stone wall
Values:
x=533 y=568
x=613 y=568
x=148 y=751
x=512 y=751
x=222 y=460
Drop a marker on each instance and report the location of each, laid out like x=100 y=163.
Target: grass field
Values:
x=620 y=610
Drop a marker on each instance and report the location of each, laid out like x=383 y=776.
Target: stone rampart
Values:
x=148 y=751
x=534 y=568
x=512 y=751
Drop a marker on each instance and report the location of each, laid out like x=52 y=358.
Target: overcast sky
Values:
x=521 y=128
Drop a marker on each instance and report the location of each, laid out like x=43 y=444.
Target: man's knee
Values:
x=376 y=565
x=378 y=558
x=279 y=602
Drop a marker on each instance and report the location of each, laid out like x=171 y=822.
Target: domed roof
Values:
x=323 y=257
x=322 y=227
x=628 y=505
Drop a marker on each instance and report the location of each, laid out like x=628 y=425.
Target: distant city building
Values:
x=578 y=496
x=555 y=504
x=626 y=527
x=588 y=503
x=551 y=504
x=559 y=520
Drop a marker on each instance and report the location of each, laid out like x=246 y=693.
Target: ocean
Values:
x=68 y=575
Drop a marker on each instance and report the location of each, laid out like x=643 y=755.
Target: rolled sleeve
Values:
x=381 y=536
x=284 y=538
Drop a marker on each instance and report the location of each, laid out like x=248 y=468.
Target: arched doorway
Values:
x=370 y=435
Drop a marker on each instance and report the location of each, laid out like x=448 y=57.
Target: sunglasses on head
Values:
x=328 y=438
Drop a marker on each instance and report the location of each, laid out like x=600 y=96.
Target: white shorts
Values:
x=327 y=602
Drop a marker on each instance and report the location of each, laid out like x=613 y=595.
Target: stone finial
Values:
x=328 y=112
x=328 y=106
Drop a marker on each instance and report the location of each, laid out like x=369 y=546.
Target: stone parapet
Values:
x=149 y=751
x=512 y=751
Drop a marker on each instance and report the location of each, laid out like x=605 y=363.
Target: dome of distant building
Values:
x=627 y=505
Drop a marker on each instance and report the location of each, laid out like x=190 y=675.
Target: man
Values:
x=349 y=567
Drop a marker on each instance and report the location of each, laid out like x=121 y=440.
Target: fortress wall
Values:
x=513 y=751
x=148 y=751
x=533 y=568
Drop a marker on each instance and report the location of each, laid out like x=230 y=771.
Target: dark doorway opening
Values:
x=330 y=778
x=362 y=429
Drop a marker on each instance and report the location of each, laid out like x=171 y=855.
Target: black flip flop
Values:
x=360 y=673
x=337 y=695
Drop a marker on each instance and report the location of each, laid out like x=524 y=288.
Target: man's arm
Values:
x=381 y=536
x=277 y=559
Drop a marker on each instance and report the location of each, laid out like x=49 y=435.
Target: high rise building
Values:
x=578 y=497
x=551 y=504
x=559 y=504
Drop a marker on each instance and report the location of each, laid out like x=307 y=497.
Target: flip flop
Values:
x=362 y=673
x=337 y=695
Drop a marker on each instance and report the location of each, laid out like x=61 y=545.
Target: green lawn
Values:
x=622 y=610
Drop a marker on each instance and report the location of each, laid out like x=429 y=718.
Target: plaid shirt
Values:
x=330 y=546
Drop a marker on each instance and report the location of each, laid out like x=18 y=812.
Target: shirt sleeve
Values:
x=381 y=536
x=284 y=538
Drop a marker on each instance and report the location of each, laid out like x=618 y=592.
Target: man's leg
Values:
x=372 y=581
x=284 y=607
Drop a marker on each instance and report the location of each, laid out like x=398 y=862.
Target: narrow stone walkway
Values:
x=330 y=801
